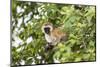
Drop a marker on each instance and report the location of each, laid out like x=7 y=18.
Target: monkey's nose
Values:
x=47 y=30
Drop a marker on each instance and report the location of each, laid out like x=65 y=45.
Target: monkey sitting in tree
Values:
x=52 y=35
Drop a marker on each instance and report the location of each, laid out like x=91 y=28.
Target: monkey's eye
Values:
x=47 y=30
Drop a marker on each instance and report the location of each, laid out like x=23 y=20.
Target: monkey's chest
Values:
x=49 y=39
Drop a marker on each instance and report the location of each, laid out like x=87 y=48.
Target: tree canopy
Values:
x=28 y=41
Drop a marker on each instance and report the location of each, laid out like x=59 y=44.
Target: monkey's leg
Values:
x=48 y=46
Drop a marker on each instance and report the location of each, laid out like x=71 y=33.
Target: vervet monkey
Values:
x=53 y=35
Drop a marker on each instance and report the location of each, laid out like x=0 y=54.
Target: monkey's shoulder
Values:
x=58 y=32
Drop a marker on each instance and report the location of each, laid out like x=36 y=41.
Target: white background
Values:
x=5 y=34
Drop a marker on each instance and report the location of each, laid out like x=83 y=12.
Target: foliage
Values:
x=28 y=41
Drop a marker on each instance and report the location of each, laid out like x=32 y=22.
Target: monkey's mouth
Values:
x=47 y=30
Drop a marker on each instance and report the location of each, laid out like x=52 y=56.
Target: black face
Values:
x=47 y=30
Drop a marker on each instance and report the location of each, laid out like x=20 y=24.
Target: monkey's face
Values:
x=47 y=30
